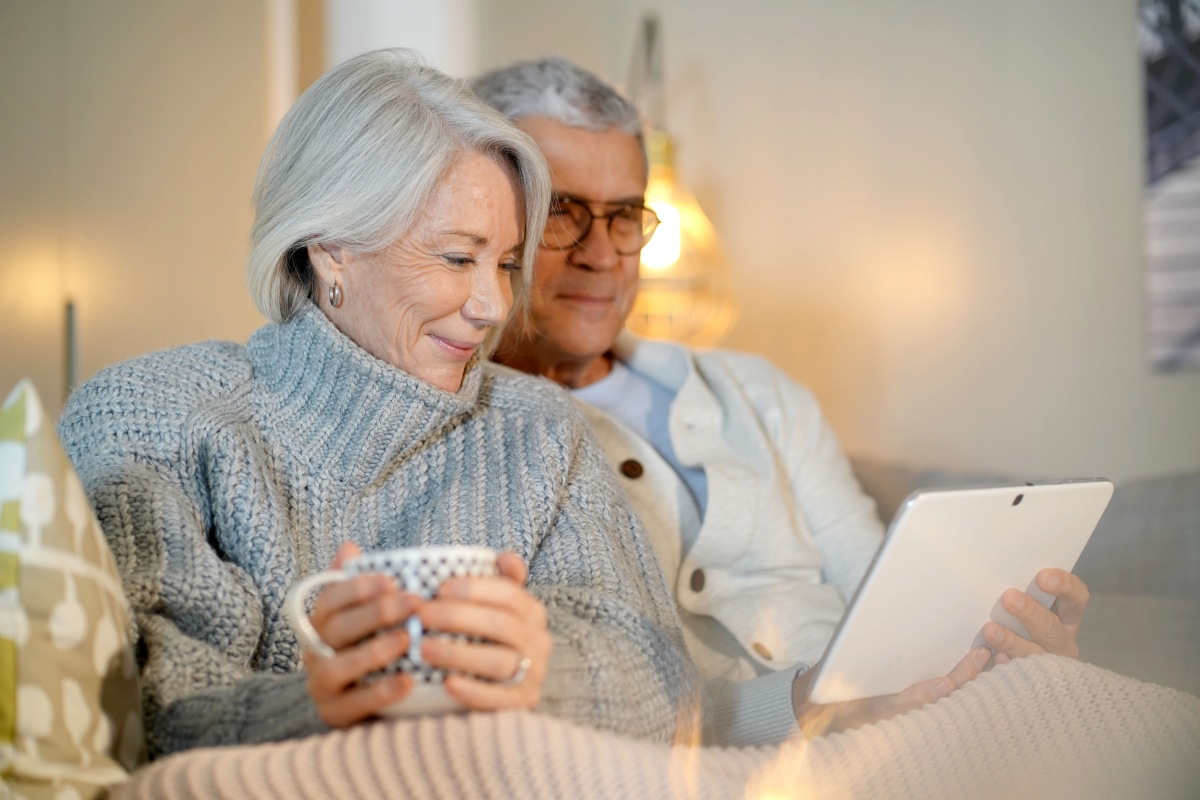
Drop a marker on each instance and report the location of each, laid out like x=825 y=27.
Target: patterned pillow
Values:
x=70 y=715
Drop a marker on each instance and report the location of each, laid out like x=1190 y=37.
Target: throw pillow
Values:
x=70 y=715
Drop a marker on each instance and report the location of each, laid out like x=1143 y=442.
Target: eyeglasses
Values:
x=629 y=226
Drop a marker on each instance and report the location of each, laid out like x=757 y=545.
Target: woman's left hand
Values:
x=1050 y=630
x=510 y=620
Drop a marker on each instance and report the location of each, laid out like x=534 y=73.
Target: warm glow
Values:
x=662 y=251
x=684 y=294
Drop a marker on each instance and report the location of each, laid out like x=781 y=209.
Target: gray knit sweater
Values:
x=223 y=474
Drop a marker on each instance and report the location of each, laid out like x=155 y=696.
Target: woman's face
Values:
x=426 y=303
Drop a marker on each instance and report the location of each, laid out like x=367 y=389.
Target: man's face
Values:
x=582 y=295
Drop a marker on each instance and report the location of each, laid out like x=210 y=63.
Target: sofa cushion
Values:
x=1148 y=541
x=70 y=716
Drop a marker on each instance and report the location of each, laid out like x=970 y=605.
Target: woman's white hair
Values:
x=357 y=157
x=555 y=88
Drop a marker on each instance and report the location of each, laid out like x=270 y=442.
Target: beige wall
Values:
x=933 y=210
x=129 y=140
x=31 y=225
x=933 y=207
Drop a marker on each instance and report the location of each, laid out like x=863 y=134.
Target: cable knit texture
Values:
x=223 y=474
x=1040 y=727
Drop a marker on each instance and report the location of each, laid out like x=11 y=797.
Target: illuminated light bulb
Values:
x=662 y=251
x=684 y=294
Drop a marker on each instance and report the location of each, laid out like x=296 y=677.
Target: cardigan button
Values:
x=762 y=650
x=697 y=580
x=632 y=468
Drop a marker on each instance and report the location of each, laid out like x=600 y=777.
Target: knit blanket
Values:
x=1037 y=727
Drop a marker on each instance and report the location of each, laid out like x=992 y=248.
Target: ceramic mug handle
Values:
x=297 y=614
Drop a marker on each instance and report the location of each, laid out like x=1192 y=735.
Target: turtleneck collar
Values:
x=343 y=410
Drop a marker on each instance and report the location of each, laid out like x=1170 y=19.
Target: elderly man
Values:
x=761 y=529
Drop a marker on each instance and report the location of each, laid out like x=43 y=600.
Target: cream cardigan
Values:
x=786 y=538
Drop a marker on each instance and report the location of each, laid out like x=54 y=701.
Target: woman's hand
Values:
x=513 y=622
x=1050 y=630
x=818 y=720
x=347 y=615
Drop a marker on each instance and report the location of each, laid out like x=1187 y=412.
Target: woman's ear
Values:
x=328 y=261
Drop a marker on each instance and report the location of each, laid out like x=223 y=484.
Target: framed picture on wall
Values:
x=1169 y=39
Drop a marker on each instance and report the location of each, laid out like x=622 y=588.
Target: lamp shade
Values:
x=684 y=293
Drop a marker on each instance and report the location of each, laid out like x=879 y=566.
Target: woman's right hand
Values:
x=347 y=615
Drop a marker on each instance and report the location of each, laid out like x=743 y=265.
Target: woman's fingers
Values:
x=332 y=676
x=349 y=611
x=337 y=684
x=483 y=607
x=481 y=695
x=365 y=701
x=510 y=621
x=346 y=553
x=481 y=659
x=495 y=623
x=511 y=566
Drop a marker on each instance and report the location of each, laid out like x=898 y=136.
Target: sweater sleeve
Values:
x=618 y=662
x=199 y=618
x=753 y=712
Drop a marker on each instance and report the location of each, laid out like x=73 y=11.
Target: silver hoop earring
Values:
x=335 y=294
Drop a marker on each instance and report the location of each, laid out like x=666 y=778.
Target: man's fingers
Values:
x=1071 y=594
x=1045 y=628
x=971 y=667
x=1003 y=640
x=920 y=694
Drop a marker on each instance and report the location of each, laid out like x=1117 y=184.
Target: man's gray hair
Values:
x=356 y=159
x=555 y=88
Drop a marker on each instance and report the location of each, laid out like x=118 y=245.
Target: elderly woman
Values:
x=389 y=246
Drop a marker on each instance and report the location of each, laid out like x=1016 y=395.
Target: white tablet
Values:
x=947 y=557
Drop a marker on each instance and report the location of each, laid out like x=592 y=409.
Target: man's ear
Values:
x=328 y=261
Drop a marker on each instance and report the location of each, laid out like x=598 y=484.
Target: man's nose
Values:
x=596 y=250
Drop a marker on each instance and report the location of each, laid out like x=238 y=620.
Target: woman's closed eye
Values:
x=458 y=260
x=465 y=262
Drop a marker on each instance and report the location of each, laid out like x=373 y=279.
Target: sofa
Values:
x=70 y=721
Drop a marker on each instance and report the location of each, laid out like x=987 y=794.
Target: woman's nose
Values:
x=490 y=298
